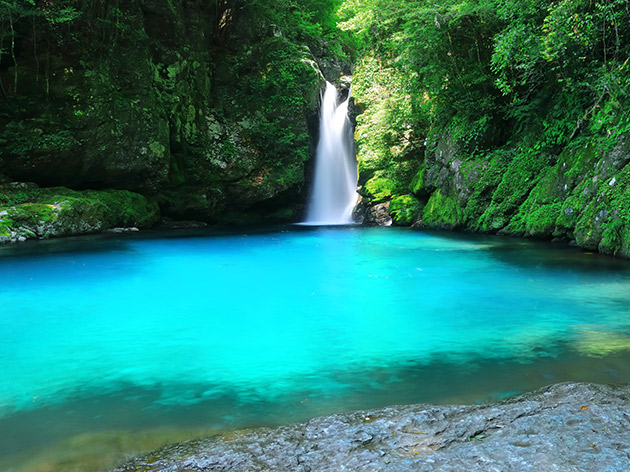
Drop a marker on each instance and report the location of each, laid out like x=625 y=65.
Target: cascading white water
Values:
x=334 y=193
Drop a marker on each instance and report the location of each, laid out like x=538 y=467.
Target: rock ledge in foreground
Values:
x=565 y=427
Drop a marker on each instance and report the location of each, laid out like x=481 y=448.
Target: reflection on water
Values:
x=113 y=345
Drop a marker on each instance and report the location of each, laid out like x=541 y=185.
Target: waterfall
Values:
x=334 y=192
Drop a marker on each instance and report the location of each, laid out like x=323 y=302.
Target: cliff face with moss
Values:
x=581 y=195
x=206 y=110
x=500 y=117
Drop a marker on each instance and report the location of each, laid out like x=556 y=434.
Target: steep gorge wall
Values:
x=206 y=108
x=506 y=118
x=581 y=196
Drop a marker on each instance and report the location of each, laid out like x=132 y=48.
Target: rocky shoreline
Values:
x=564 y=427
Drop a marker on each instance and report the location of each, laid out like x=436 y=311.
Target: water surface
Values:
x=207 y=331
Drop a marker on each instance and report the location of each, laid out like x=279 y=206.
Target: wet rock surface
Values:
x=378 y=215
x=565 y=427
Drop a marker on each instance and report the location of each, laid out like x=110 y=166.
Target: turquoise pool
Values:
x=220 y=330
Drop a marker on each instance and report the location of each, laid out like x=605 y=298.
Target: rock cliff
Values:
x=208 y=109
x=580 y=196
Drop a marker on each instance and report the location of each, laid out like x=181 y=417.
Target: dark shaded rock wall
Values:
x=200 y=108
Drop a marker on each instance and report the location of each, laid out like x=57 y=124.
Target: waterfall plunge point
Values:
x=334 y=192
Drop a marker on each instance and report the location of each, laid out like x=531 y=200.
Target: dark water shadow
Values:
x=92 y=244
x=123 y=242
x=528 y=253
x=477 y=380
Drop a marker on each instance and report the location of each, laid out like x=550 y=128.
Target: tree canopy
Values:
x=488 y=74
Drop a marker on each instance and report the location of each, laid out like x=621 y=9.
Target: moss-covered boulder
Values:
x=28 y=212
x=404 y=209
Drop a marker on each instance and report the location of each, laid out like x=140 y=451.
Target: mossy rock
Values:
x=521 y=175
x=442 y=211
x=417 y=183
x=541 y=222
x=379 y=188
x=59 y=211
x=615 y=237
x=405 y=209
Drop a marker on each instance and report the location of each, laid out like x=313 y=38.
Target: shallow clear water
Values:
x=220 y=331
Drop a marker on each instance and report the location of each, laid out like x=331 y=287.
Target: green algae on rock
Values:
x=59 y=211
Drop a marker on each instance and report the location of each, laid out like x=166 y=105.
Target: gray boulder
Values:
x=565 y=427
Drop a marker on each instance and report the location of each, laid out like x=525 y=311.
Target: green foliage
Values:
x=531 y=94
x=387 y=131
x=24 y=138
x=405 y=209
x=535 y=66
x=20 y=19
x=15 y=195
x=309 y=22
x=443 y=211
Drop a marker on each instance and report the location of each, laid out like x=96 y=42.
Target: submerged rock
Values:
x=168 y=223
x=131 y=229
x=565 y=427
